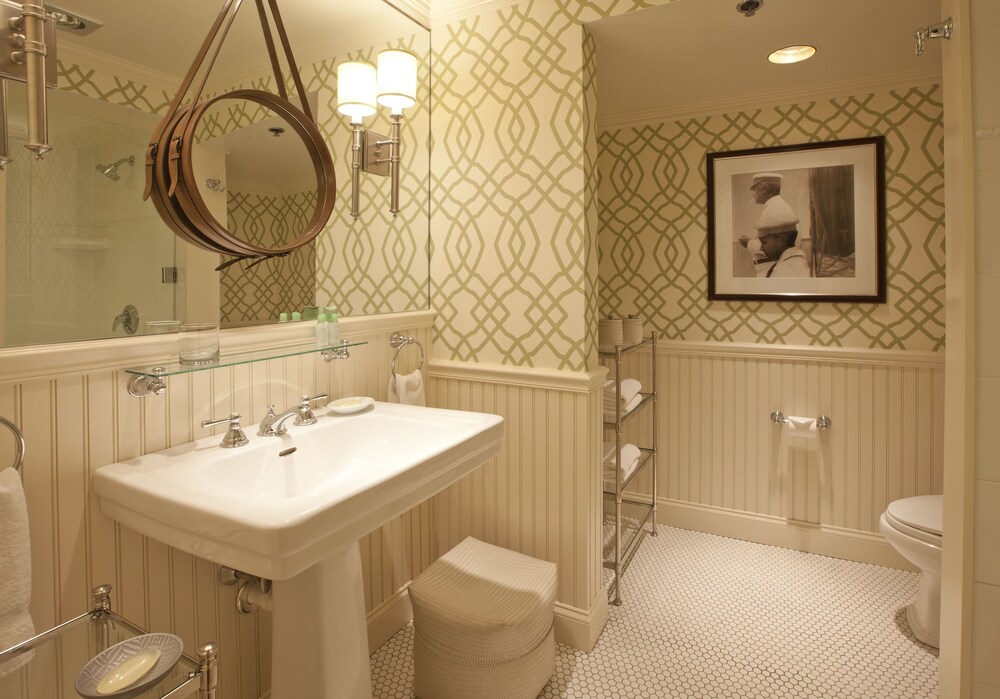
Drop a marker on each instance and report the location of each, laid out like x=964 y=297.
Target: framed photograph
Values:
x=798 y=223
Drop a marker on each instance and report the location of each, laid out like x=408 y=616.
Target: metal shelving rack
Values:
x=625 y=547
x=62 y=651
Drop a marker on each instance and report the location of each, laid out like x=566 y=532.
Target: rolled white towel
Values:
x=609 y=414
x=629 y=461
x=407 y=389
x=15 y=569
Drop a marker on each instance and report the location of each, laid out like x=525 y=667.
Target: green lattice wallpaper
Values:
x=281 y=284
x=652 y=239
x=511 y=277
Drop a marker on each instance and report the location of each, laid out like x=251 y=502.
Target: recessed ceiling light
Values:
x=792 y=54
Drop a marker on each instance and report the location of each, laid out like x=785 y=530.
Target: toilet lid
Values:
x=923 y=512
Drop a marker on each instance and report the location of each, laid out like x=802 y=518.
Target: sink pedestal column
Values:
x=320 y=632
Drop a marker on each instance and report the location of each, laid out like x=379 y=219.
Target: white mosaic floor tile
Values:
x=711 y=617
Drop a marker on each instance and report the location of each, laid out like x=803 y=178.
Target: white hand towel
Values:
x=609 y=414
x=15 y=569
x=407 y=389
x=630 y=388
x=629 y=462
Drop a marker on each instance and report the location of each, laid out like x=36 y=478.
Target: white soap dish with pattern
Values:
x=130 y=667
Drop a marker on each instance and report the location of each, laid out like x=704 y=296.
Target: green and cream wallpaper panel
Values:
x=652 y=240
x=510 y=278
x=280 y=284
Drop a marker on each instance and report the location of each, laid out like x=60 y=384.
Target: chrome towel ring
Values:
x=18 y=440
x=400 y=341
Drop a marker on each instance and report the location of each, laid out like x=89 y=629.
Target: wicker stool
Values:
x=482 y=621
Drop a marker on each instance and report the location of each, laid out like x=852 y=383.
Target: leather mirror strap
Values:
x=271 y=53
x=292 y=66
x=182 y=90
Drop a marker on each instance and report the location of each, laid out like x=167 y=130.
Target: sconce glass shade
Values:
x=356 y=90
x=397 y=79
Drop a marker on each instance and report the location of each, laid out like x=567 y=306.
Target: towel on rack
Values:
x=15 y=569
x=630 y=388
x=629 y=462
x=609 y=413
x=407 y=389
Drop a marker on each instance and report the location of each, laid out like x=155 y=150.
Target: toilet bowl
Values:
x=913 y=527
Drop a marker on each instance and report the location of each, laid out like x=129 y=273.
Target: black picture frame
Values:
x=836 y=190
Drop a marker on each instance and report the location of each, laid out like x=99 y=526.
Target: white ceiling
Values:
x=696 y=57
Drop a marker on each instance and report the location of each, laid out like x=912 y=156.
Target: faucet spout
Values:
x=273 y=425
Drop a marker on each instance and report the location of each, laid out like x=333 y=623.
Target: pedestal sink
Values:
x=292 y=509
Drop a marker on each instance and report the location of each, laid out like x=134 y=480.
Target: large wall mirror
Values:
x=79 y=244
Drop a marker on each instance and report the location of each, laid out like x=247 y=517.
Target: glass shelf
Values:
x=58 y=656
x=164 y=369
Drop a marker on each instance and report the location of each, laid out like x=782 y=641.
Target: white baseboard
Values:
x=825 y=540
x=388 y=618
x=580 y=628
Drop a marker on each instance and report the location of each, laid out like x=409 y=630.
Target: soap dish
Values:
x=169 y=646
x=351 y=405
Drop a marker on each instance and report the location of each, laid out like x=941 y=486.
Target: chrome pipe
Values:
x=356 y=170
x=394 y=149
x=34 y=54
x=5 y=158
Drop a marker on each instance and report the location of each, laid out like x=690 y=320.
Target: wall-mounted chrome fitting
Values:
x=28 y=55
x=328 y=355
x=140 y=385
x=941 y=30
x=252 y=593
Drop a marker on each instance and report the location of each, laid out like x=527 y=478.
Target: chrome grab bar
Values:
x=18 y=439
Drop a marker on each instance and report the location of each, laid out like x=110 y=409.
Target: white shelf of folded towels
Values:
x=632 y=457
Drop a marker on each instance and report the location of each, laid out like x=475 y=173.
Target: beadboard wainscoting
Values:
x=77 y=416
x=541 y=494
x=725 y=468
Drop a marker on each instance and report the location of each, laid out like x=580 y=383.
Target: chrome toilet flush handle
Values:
x=234 y=436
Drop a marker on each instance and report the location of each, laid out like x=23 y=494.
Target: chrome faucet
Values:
x=234 y=436
x=273 y=424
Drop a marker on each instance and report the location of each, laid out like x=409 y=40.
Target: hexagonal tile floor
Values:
x=706 y=616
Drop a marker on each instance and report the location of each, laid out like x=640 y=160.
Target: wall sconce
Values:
x=360 y=86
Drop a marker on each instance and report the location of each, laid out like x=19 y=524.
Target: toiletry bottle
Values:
x=333 y=334
x=296 y=315
x=322 y=331
x=282 y=317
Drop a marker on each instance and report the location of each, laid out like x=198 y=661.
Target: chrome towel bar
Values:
x=399 y=341
x=18 y=440
x=822 y=422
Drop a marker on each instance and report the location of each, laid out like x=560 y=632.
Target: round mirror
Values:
x=245 y=173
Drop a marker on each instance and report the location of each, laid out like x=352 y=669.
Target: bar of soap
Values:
x=129 y=672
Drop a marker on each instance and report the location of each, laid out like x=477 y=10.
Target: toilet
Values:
x=913 y=527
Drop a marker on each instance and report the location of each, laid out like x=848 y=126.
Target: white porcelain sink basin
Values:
x=292 y=509
x=265 y=511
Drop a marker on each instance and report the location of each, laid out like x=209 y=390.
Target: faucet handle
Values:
x=306 y=416
x=234 y=436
